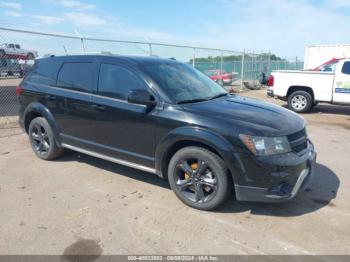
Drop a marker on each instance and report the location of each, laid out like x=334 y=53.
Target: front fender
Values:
x=45 y=112
x=200 y=135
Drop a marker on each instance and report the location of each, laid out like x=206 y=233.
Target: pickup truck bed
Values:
x=304 y=89
x=320 y=80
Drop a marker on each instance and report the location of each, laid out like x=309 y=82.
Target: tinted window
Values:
x=11 y=46
x=18 y=47
x=117 y=82
x=346 y=68
x=77 y=76
x=45 y=74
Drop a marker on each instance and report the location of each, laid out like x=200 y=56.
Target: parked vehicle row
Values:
x=10 y=67
x=165 y=117
x=328 y=83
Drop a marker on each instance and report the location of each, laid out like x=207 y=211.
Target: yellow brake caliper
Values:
x=194 y=166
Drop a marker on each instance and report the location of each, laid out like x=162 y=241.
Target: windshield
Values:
x=182 y=83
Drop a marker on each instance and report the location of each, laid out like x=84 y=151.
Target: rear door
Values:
x=78 y=81
x=342 y=83
x=121 y=129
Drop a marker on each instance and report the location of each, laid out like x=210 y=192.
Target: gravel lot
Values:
x=82 y=204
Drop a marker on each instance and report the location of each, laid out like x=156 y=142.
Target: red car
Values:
x=220 y=76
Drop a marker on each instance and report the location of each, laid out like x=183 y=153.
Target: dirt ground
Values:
x=82 y=204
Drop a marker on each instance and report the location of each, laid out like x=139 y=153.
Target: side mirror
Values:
x=141 y=97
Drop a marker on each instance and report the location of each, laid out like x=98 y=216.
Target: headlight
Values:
x=266 y=145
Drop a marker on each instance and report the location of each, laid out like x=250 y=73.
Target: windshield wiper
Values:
x=192 y=101
x=201 y=99
x=217 y=96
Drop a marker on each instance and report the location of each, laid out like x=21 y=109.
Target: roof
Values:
x=85 y=58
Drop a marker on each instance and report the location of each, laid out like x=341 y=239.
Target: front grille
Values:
x=298 y=141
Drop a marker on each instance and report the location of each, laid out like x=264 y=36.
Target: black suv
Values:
x=165 y=117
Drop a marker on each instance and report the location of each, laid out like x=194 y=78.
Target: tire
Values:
x=220 y=82
x=42 y=139
x=205 y=186
x=2 y=53
x=300 y=101
x=30 y=56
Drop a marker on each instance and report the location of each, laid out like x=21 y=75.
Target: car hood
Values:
x=254 y=116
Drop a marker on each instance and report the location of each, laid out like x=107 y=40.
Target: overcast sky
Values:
x=284 y=27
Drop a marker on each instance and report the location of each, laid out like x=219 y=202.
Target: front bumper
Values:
x=284 y=187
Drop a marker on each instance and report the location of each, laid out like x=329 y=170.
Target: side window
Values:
x=11 y=46
x=346 y=68
x=18 y=47
x=77 y=76
x=329 y=67
x=44 y=74
x=117 y=82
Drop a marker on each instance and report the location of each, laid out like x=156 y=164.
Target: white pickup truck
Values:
x=304 y=89
x=15 y=51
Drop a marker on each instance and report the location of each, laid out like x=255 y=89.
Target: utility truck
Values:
x=304 y=89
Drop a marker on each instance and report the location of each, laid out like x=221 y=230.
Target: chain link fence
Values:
x=19 y=48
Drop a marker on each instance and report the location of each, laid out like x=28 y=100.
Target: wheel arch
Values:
x=193 y=136
x=307 y=89
x=34 y=110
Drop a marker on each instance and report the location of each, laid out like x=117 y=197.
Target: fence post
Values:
x=150 y=49
x=269 y=64
x=194 y=57
x=242 y=69
x=221 y=60
x=83 y=46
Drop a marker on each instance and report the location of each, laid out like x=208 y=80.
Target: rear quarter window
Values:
x=45 y=74
x=77 y=76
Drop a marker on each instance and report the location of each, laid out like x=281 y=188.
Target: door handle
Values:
x=99 y=108
x=51 y=97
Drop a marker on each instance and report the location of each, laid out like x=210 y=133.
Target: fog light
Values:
x=282 y=189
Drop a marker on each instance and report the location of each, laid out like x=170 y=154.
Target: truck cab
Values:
x=304 y=89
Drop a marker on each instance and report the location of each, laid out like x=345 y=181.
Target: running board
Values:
x=111 y=159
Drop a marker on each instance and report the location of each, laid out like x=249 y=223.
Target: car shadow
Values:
x=319 y=194
x=132 y=173
x=322 y=190
x=327 y=109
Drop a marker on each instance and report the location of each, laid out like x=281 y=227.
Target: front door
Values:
x=341 y=90
x=121 y=129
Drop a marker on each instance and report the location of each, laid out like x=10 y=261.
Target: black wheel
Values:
x=30 y=56
x=300 y=101
x=2 y=53
x=42 y=139
x=199 y=178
